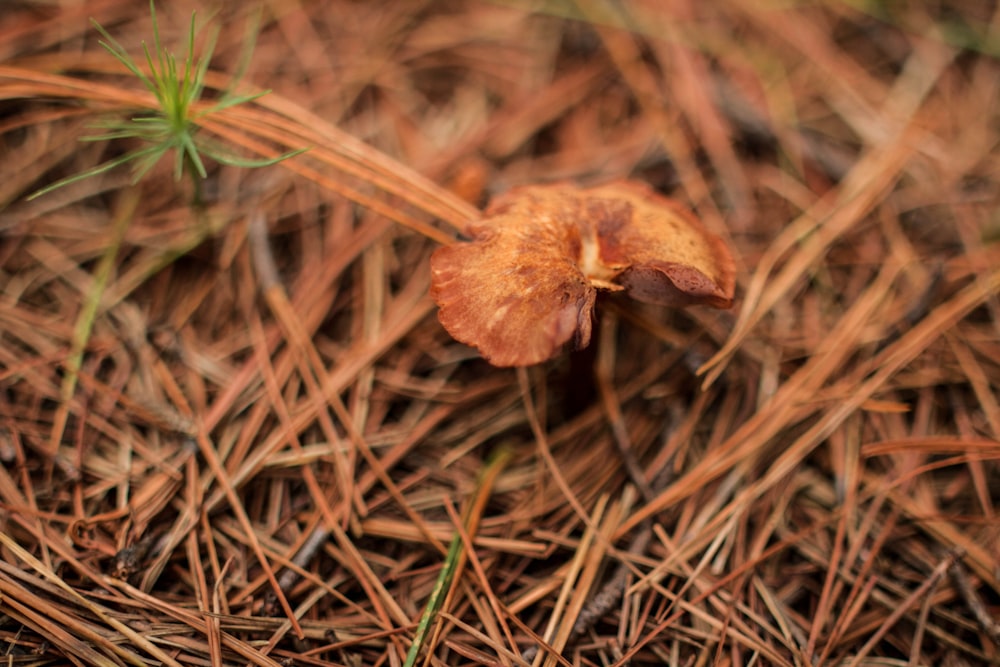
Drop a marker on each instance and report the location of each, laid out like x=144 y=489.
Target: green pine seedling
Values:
x=173 y=127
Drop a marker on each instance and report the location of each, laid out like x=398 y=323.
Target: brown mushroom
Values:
x=527 y=281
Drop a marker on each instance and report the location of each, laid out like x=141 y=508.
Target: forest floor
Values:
x=234 y=431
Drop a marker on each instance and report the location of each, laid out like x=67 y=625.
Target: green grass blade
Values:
x=455 y=558
x=435 y=600
x=88 y=311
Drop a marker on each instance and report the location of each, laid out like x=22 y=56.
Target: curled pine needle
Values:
x=174 y=125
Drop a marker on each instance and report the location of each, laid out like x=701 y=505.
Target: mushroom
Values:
x=526 y=282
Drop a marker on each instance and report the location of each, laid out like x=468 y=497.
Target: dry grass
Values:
x=271 y=439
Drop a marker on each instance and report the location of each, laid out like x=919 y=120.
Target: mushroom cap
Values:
x=527 y=281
